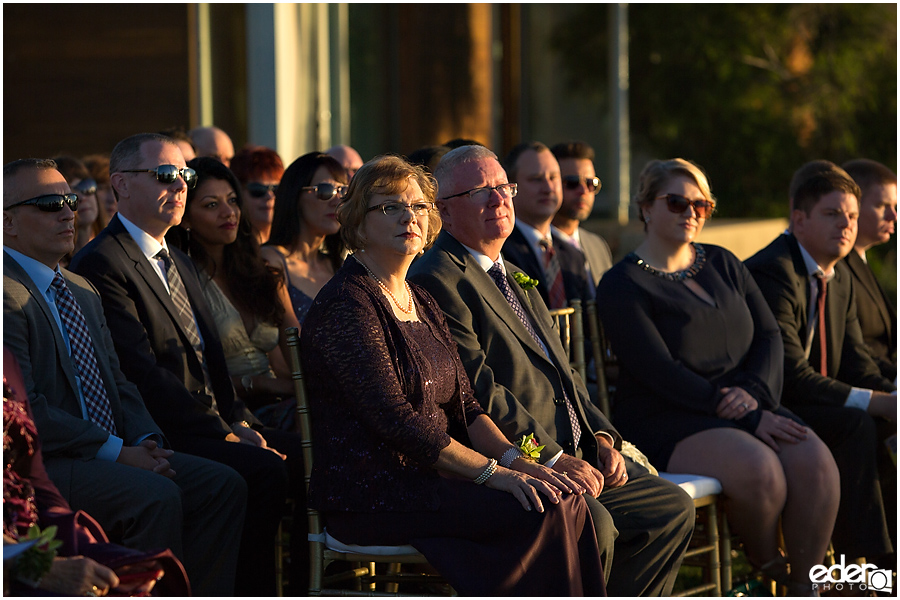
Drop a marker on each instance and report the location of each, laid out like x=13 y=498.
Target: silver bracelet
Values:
x=509 y=456
x=488 y=471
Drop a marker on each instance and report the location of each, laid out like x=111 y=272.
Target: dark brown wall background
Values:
x=78 y=78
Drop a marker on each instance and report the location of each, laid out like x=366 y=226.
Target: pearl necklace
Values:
x=408 y=310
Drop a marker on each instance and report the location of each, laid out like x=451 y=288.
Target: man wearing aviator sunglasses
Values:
x=169 y=346
x=580 y=186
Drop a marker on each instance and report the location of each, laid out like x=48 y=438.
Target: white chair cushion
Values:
x=697 y=486
x=338 y=546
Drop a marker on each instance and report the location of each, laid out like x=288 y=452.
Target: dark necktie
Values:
x=496 y=273
x=820 y=313
x=555 y=288
x=82 y=347
x=185 y=314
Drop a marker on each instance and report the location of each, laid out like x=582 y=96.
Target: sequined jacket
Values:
x=377 y=428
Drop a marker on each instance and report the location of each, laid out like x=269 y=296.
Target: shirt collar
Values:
x=148 y=245
x=531 y=234
x=483 y=260
x=40 y=274
x=812 y=267
x=574 y=239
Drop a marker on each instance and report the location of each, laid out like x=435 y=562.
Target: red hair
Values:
x=255 y=162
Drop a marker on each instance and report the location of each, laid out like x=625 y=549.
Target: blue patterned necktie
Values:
x=496 y=273
x=82 y=348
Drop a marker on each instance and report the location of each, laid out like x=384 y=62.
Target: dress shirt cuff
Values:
x=150 y=436
x=612 y=440
x=859 y=398
x=110 y=449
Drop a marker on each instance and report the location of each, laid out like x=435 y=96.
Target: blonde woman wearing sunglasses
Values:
x=304 y=240
x=700 y=380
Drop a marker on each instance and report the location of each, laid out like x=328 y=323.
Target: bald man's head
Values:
x=212 y=141
x=348 y=157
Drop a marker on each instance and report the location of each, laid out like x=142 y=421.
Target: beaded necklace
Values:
x=688 y=273
x=408 y=310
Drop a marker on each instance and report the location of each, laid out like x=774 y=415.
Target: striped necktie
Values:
x=185 y=313
x=496 y=273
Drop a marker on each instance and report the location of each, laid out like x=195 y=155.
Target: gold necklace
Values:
x=408 y=310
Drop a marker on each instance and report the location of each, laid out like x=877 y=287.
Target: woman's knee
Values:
x=811 y=469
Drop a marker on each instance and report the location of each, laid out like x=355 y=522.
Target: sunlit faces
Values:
x=675 y=228
x=577 y=203
x=319 y=215
x=149 y=204
x=540 y=188
x=480 y=225
x=44 y=236
x=261 y=209
x=877 y=215
x=404 y=233
x=828 y=232
x=214 y=213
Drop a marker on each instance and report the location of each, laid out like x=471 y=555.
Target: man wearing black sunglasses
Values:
x=580 y=186
x=167 y=341
x=558 y=267
x=101 y=447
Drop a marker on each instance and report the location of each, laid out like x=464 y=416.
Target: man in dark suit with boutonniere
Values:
x=521 y=376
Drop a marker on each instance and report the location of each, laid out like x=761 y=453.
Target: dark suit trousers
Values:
x=654 y=519
x=861 y=528
x=193 y=514
x=267 y=483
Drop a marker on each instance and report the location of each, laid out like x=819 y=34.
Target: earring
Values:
x=647 y=219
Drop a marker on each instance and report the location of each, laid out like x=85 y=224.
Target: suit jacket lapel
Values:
x=64 y=359
x=147 y=272
x=870 y=286
x=546 y=334
x=492 y=295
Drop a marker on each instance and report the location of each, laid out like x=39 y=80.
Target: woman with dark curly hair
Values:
x=248 y=300
x=304 y=239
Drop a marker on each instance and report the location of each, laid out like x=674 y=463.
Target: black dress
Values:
x=676 y=351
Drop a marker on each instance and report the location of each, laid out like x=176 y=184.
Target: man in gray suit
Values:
x=580 y=185
x=101 y=447
x=521 y=376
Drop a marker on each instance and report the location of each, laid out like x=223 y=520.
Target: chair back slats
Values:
x=321 y=556
x=598 y=346
x=570 y=323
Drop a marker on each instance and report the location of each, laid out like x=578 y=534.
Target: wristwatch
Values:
x=247 y=382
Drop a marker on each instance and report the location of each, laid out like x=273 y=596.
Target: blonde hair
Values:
x=657 y=172
x=387 y=175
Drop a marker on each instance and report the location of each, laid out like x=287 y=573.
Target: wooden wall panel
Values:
x=77 y=78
